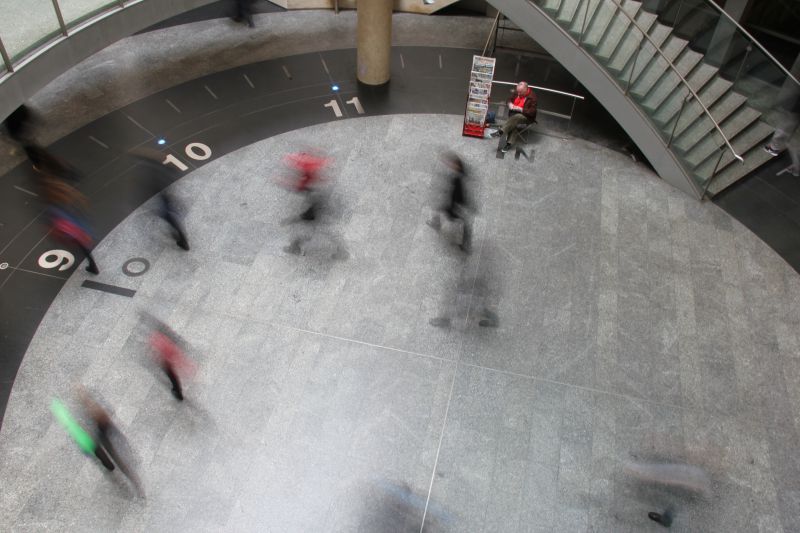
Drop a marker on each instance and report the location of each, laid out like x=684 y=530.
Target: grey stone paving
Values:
x=635 y=323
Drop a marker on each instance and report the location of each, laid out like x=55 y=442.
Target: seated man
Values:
x=521 y=110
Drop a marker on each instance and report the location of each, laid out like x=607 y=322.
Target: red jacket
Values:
x=527 y=103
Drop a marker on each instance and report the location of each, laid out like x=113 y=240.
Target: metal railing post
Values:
x=6 y=59
x=336 y=7
x=583 y=26
x=633 y=68
x=683 y=104
x=714 y=172
x=744 y=60
x=60 y=17
x=678 y=15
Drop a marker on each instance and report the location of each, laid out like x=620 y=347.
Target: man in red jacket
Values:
x=521 y=110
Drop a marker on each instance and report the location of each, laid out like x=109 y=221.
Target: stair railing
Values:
x=674 y=69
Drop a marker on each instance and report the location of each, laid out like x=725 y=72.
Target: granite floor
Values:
x=634 y=324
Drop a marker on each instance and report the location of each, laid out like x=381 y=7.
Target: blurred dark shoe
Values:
x=93 y=270
x=663 y=519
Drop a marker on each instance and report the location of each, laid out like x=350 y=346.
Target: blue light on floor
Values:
x=335 y=87
x=162 y=141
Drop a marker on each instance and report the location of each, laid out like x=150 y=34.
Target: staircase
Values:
x=703 y=117
x=405 y=6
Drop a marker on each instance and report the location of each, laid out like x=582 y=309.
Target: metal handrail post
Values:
x=583 y=26
x=630 y=78
x=714 y=172
x=60 y=18
x=6 y=59
x=678 y=15
x=744 y=60
x=674 y=127
x=494 y=29
x=335 y=7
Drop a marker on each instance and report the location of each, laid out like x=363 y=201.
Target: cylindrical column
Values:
x=374 y=36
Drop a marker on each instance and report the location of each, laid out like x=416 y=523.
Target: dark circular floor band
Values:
x=126 y=268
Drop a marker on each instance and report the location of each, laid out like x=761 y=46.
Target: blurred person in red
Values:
x=168 y=349
x=306 y=182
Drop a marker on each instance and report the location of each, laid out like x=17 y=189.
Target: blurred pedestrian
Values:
x=684 y=477
x=105 y=435
x=244 y=12
x=65 y=207
x=169 y=351
x=81 y=437
x=786 y=138
x=170 y=208
x=456 y=205
x=307 y=167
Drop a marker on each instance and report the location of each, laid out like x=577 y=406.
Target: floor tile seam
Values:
x=632 y=399
x=21 y=261
x=332 y=336
x=452 y=384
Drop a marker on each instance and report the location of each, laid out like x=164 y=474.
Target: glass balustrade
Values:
x=76 y=11
x=26 y=25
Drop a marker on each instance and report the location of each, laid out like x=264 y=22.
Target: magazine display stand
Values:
x=480 y=87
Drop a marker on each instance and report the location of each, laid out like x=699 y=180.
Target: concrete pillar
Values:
x=374 y=41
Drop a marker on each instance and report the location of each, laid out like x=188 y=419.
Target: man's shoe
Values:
x=92 y=270
x=497 y=133
x=506 y=148
x=183 y=244
x=771 y=151
x=663 y=519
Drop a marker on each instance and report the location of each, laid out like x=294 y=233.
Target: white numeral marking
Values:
x=191 y=151
x=333 y=104
x=357 y=104
x=171 y=159
x=60 y=256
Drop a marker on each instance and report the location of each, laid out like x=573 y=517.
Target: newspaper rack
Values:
x=480 y=87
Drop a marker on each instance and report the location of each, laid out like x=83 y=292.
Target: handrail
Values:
x=577 y=96
x=493 y=30
x=753 y=39
x=674 y=69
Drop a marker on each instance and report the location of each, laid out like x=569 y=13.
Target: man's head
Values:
x=522 y=88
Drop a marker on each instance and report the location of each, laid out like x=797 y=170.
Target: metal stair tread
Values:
x=583 y=16
x=704 y=155
x=599 y=23
x=656 y=67
x=616 y=31
x=733 y=173
x=697 y=80
x=566 y=12
x=736 y=122
x=718 y=99
x=686 y=63
x=728 y=112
